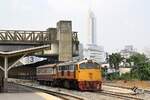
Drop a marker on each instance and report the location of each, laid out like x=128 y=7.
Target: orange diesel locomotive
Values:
x=82 y=75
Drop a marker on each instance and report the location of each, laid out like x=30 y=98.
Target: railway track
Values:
x=144 y=91
x=61 y=93
x=147 y=91
x=63 y=96
x=121 y=95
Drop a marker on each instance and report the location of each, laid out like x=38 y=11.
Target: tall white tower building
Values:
x=91 y=49
x=92 y=28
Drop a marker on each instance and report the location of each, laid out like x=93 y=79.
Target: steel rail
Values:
x=120 y=95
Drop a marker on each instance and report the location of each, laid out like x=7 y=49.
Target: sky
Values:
x=119 y=22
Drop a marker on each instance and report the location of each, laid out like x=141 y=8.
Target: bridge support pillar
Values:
x=5 y=73
x=65 y=40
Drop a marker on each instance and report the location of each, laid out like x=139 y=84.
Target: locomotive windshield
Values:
x=89 y=65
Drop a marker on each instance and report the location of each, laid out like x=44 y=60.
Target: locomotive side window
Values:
x=49 y=70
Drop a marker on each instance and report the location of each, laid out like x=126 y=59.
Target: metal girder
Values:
x=29 y=37
x=24 y=36
x=1 y=68
x=13 y=65
x=24 y=51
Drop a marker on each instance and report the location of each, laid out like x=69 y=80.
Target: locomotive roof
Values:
x=84 y=61
x=75 y=62
x=48 y=65
x=66 y=63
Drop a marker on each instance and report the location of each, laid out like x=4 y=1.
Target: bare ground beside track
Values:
x=129 y=84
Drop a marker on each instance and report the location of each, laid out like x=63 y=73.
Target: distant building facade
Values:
x=128 y=51
x=124 y=70
x=94 y=52
x=81 y=55
x=146 y=51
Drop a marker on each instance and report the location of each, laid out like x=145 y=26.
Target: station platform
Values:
x=27 y=96
x=17 y=92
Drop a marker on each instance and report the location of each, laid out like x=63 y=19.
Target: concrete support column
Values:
x=64 y=35
x=5 y=73
x=5 y=67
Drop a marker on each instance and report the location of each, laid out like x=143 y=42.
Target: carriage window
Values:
x=67 y=67
x=59 y=68
x=62 y=68
x=71 y=67
x=49 y=70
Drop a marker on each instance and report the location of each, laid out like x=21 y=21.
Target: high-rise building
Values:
x=92 y=28
x=91 y=49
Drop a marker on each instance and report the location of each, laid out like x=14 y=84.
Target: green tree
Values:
x=129 y=61
x=138 y=58
x=114 y=60
x=141 y=71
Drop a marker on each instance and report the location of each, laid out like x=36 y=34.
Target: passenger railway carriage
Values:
x=46 y=74
x=82 y=75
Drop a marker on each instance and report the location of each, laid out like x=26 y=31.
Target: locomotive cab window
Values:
x=89 y=65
